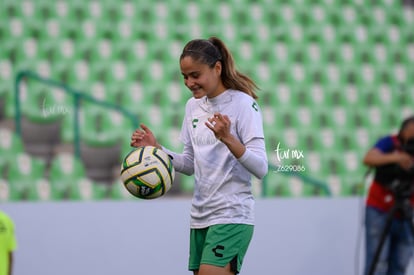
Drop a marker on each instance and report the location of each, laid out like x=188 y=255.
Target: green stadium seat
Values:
x=338 y=187
x=270 y=184
x=314 y=163
x=176 y=93
x=269 y=116
x=290 y=138
x=9 y=192
x=85 y=189
x=67 y=130
x=10 y=144
x=353 y=162
x=126 y=147
x=325 y=71
x=65 y=169
x=117 y=191
x=39 y=103
x=353 y=184
x=4 y=190
x=186 y=183
x=170 y=138
x=22 y=171
x=300 y=188
x=133 y=97
x=40 y=190
x=292 y=187
x=282 y=189
x=6 y=75
x=97 y=126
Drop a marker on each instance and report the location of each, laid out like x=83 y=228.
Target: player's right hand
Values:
x=143 y=137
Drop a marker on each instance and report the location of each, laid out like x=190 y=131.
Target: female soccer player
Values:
x=224 y=144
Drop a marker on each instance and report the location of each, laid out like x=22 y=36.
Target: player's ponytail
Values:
x=230 y=76
x=213 y=50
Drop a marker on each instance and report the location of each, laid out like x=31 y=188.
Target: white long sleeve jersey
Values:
x=222 y=191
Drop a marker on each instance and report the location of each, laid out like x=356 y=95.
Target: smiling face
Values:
x=200 y=78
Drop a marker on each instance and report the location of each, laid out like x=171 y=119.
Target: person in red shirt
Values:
x=392 y=157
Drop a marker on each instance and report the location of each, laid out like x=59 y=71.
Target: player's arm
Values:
x=251 y=155
x=254 y=158
x=183 y=162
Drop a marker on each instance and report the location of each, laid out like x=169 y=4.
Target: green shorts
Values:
x=219 y=245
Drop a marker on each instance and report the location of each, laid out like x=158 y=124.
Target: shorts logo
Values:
x=218 y=247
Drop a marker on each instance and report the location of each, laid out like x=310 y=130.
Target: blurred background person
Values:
x=7 y=244
x=392 y=157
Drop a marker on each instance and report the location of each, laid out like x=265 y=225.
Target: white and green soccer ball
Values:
x=147 y=172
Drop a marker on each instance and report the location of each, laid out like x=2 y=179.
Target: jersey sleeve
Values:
x=385 y=144
x=183 y=162
x=254 y=158
x=250 y=122
x=250 y=132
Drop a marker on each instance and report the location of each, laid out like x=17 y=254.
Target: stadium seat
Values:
x=10 y=144
x=270 y=184
x=117 y=191
x=9 y=192
x=338 y=187
x=40 y=103
x=85 y=189
x=98 y=126
x=22 y=171
x=40 y=139
x=170 y=138
x=65 y=169
x=40 y=190
x=314 y=163
x=186 y=183
x=101 y=160
x=293 y=187
x=331 y=73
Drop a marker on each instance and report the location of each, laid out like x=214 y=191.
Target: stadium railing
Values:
x=77 y=95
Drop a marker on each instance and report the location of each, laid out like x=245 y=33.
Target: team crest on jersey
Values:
x=194 y=122
x=254 y=105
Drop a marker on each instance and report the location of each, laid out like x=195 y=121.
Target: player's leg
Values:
x=206 y=269
x=197 y=240
x=224 y=249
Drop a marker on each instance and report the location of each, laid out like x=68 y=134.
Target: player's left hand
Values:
x=220 y=125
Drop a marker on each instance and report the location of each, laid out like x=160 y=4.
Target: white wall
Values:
x=292 y=237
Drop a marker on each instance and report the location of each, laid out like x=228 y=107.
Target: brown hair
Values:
x=404 y=125
x=209 y=51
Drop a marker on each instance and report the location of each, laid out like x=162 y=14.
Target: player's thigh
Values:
x=226 y=246
x=206 y=269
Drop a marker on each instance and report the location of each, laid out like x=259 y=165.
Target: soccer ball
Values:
x=147 y=172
